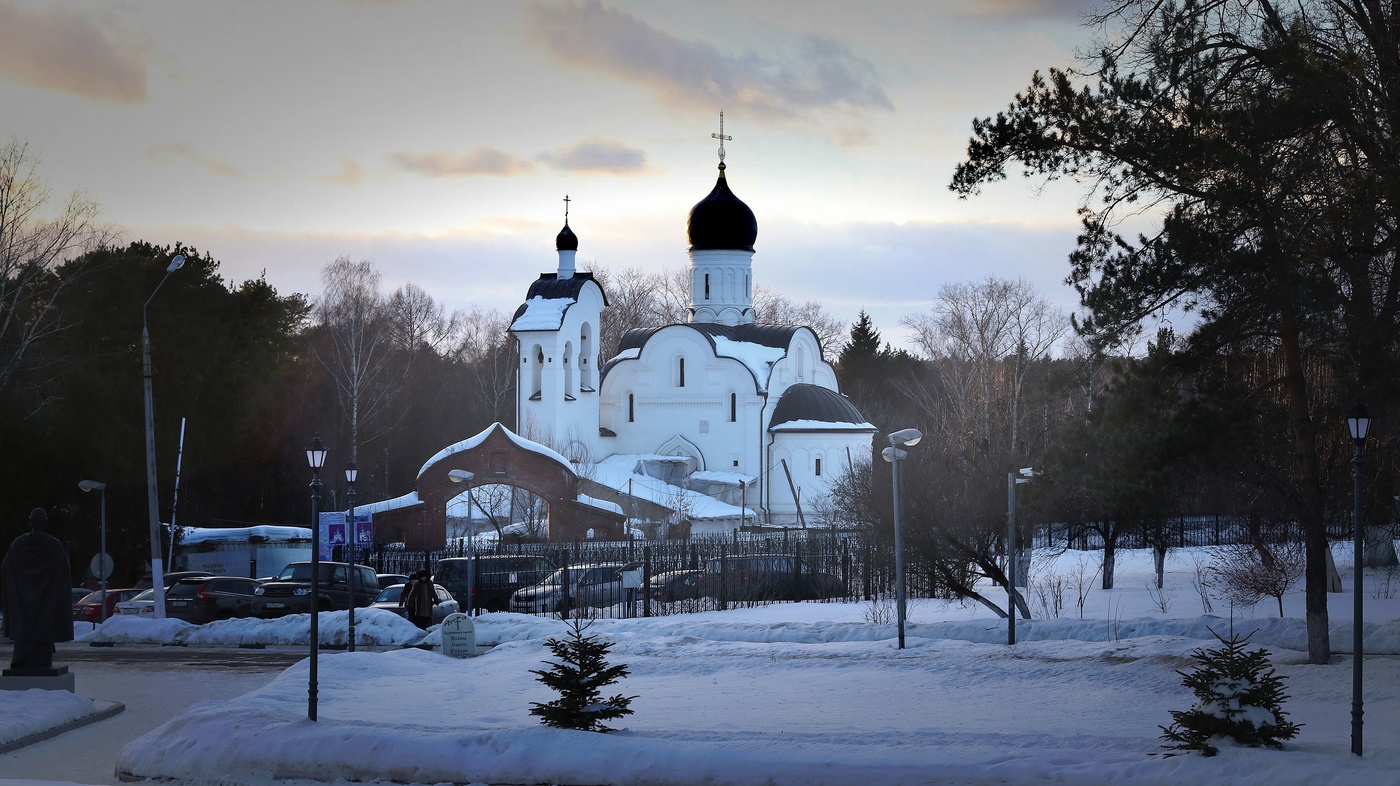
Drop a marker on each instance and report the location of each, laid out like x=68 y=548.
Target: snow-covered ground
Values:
x=809 y=693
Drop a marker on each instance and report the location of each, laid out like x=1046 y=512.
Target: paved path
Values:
x=154 y=683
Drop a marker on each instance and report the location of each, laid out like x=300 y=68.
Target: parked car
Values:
x=289 y=592
x=598 y=584
x=171 y=578
x=497 y=576
x=387 y=580
x=201 y=600
x=142 y=603
x=389 y=601
x=78 y=594
x=676 y=585
x=89 y=609
x=766 y=577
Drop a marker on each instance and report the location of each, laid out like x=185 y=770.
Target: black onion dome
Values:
x=804 y=401
x=721 y=221
x=567 y=240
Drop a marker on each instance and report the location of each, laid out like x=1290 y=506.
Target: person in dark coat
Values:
x=36 y=585
x=421 y=599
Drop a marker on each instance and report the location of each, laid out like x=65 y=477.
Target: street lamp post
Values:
x=1011 y=547
x=743 y=504
x=1358 y=423
x=464 y=476
x=907 y=437
x=92 y=485
x=351 y=471
x=152 y=503
x=316 y=458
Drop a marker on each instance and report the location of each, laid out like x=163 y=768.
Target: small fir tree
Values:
x=1238 y=696
x=580 y=674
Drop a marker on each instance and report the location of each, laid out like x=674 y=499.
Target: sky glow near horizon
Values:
x=439 y=138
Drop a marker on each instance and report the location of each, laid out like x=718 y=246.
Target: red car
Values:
x=89 y=609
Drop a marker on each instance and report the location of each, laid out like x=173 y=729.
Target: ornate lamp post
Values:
x=157 y=566
x=93 y=485
x=466 y=476
x=1359 y=424
x=351 y=471
x=315 y=458
x=893 y=454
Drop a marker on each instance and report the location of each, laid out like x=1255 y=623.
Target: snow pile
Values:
x=32 y=711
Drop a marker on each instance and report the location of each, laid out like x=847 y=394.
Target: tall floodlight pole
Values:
x=1012 y=569
x=893 y=454
x=351 y=471
x=93 y=485
x=152 y=503
x=316 y=458
x=1358 y=423
x=465 y=476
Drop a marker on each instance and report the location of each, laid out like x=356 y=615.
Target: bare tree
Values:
x=774 y=308
x=359 y=342
x=482 y=341
x=1247 y=573
x=31 y=247
x=416 y=321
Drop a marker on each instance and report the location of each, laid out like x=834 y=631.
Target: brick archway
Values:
x=494 y=456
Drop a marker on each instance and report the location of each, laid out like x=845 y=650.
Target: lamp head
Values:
x=91 y=485
x=1359 y=423
x=351 y=471
x=461 y=476
x=908 y=436
x=316 y=454
x=176 y=263
x=893 y=454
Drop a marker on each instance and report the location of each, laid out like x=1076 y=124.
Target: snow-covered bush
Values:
x=1238 y=697
x=579 y=677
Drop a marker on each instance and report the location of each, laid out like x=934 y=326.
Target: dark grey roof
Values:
x=721 y=221
x=567 y=240
x=550 y=286
x=813 y=402
x=776 y=336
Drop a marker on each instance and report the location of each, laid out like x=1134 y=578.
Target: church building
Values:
x=727 y=422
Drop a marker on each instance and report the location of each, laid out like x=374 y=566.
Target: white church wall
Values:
x=801 y=450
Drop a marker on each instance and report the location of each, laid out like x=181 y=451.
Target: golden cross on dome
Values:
x=721 y=137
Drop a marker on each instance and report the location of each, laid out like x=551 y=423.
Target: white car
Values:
x=143 y=605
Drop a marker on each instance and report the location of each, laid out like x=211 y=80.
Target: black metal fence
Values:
x=741 y=570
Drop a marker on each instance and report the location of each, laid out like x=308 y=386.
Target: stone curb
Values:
x=105 y=710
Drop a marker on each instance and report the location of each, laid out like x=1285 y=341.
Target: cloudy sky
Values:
x=439 y=138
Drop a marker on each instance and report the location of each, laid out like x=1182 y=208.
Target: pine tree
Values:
x=862 y=350
x=1238 y=696
x=580 y=675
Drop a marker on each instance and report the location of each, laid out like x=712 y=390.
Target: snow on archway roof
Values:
x=540 y=313
x=468 y=444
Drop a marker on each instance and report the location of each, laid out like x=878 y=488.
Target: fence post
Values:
x=646 y=581
x=845 y=570
x=796 y=569
x=563 y=608
x=865 y=547
x=723 y=579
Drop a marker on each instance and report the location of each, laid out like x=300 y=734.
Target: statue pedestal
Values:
x=58 y=678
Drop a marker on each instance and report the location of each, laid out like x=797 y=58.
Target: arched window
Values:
x=733 y=407
x=819 y=466
x=680 y=377
x=707 y=286
x=631 y=408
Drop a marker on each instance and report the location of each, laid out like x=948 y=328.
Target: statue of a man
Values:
x=37 y=589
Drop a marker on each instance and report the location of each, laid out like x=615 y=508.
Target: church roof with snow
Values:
x=806 y=407
x=758 y=347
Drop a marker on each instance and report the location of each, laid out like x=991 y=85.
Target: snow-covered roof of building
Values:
x=471 y=442
x=807 y=407
x=615 y=472
x=714 y=476
x=601 y=504
x=262 y=532
x=539 y=313
x=381 y=506
x=758 y=347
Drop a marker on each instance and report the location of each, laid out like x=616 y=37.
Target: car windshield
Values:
x=149 y=594
x=557 y=577
x=390 y=594
x=94 y=597
x=301 y=571
x=184 y=589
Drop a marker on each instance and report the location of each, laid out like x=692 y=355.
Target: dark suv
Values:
x=210 y=598
x=289 y=592
x=498 y=576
